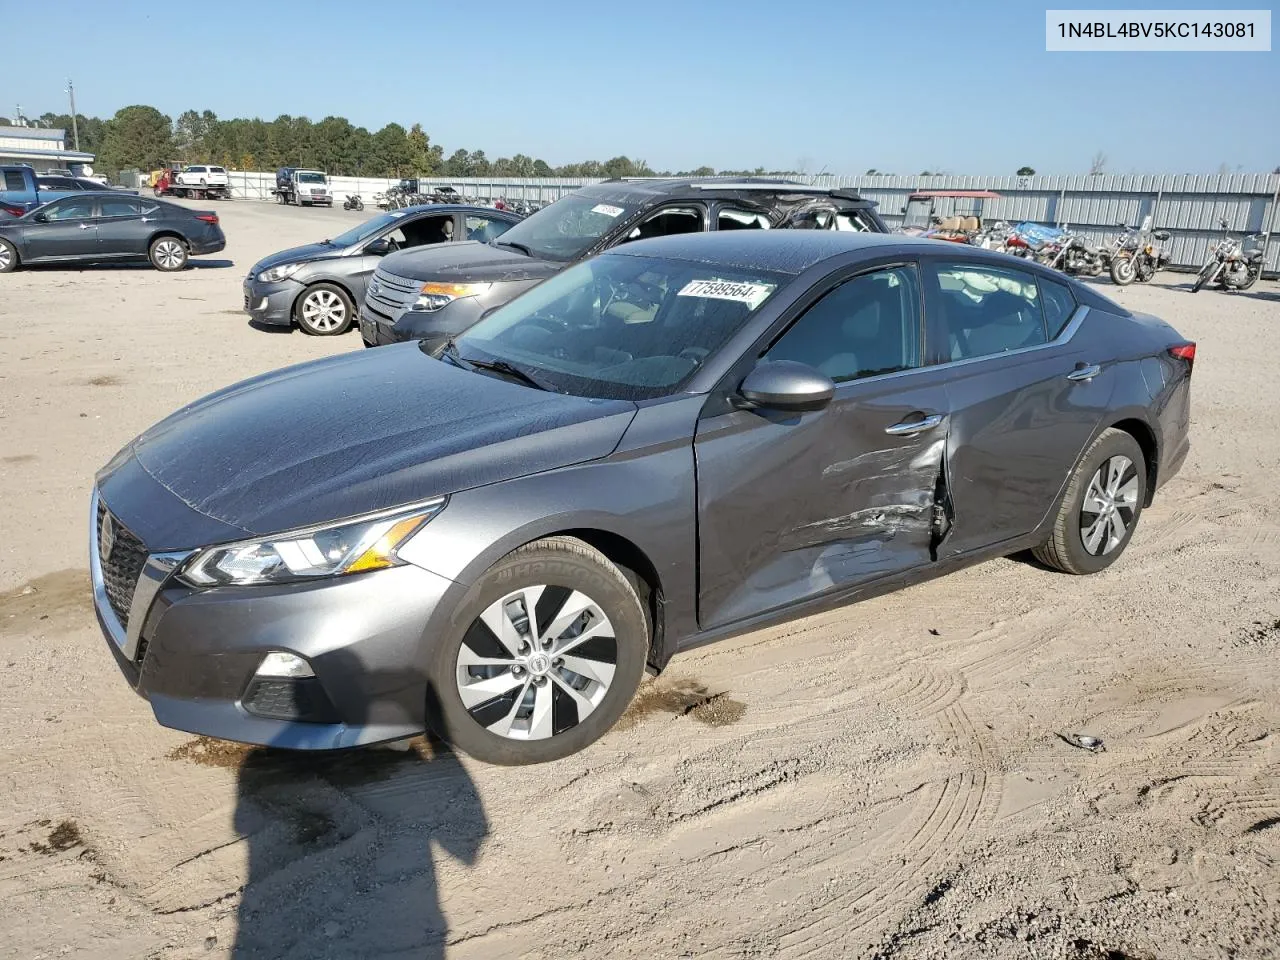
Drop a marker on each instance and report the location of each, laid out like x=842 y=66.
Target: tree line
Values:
x=142 y=137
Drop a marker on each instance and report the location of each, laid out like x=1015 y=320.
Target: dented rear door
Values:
x=793 y=506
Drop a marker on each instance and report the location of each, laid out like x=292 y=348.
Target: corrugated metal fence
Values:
x=1189 y=206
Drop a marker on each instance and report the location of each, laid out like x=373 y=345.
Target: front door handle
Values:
x=83 y=226
x=909 y=428
x=1084 y=371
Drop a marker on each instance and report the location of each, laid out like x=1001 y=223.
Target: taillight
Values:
x=1184 y=351
x=207 y=217
x=12 y=211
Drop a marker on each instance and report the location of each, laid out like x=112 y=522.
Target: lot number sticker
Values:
x=752 y=294
x=607 y=210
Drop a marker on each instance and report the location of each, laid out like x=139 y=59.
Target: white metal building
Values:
x=40 y=147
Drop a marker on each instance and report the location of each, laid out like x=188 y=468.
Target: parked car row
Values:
x=652 y=415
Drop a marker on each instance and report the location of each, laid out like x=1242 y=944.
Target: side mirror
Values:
x=40 y=218
x=787 y=385
x=378 y=248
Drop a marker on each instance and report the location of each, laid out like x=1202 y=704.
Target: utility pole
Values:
x=75 y=127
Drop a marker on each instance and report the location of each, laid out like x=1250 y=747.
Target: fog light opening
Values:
x=281 y=664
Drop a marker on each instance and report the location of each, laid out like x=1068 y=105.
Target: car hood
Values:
x=469 y=262
x=307 y=252
x=361 y=432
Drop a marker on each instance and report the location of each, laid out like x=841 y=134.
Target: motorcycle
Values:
x=1139 y=256
x=353 y=202
x=1233 y=264
x=1070 y=254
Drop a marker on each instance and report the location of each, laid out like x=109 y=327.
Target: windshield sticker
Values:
x=607 y=210
x=752 y=294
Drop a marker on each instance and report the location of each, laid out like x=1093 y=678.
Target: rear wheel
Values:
x=8 y=257
x=168 y=254
x=325 y=310
x=548 y=651
x=1100 y=507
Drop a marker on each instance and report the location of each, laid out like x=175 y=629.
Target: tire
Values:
x=324 y=310
x=1123 y=271
x=168 y=254
x=8 y=257
x=1113 y=470
x=532 y=701
x=1203 y=276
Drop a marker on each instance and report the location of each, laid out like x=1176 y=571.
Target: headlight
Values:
x=282 y=272
x=433 y=296
x=348 y=546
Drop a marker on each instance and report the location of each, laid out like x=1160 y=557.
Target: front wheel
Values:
x=1203 y=276
x=325 y=310
x=1100 y=507
x=1123 y=272
x=548 y=650
x=168 y=254
x=8 y=257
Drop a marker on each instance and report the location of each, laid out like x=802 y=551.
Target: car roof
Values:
x=451 y=208
x=777 y=251
x=647 y=189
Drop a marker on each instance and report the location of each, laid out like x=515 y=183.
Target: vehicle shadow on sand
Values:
x=340 y=849
x=196 y=263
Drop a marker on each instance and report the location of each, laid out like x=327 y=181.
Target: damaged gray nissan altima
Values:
x=676 y=441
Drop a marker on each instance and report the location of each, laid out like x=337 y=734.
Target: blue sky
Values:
x=965 y=87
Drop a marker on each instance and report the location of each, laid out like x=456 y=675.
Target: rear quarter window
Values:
x=14 y=180
x=1059 y=305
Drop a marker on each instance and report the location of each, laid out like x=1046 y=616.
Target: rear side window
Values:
x=14 y=180
x=216 y=170
x=731 y=219
x=119 y=207
x=988 y=310
x=1059 y=305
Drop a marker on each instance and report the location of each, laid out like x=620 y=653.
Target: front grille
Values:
x=392 y=293
x=121 y=564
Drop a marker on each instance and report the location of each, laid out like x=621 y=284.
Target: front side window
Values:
x=621 y=327
x=485 y=229
x=423 y=231
x=867 y=326
x=78 y=208
x=988 y=310
x=568 y=228
x=668 y=222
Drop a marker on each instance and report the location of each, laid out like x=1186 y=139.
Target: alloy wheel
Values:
x=170 y=254
x=324 y=310
x=1109 y=506
x=6 y=258
x=536 y=662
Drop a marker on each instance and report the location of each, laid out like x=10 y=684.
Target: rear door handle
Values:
x=909 y=428
x=83 y=226
x=1084 y=371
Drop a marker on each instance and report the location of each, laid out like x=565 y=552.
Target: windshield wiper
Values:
x=515 y=246
x=502 y=366
x=450 y=353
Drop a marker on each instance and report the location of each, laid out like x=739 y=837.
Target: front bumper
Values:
x=271 y=303
x=193 y=654
x=379 y=329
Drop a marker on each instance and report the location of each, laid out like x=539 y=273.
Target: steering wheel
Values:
x=696 y=354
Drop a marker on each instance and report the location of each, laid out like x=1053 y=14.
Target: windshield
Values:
x=311 y=178
x=365 y=230
x=621 y=327
x=568 y=228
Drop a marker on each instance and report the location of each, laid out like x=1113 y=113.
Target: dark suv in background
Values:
x=433 y=295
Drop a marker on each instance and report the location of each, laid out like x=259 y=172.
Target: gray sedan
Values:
x=676 y=441
x=319 y=285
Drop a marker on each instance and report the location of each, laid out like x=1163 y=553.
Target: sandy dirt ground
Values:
x=885 y=780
